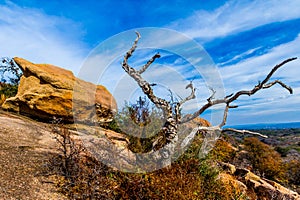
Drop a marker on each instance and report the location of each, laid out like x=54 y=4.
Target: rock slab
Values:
x=265 y=189
x=46 y=91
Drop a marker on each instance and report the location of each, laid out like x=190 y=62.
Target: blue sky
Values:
x=244 y=38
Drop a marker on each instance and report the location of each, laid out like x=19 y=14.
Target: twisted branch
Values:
x=136 y=75
x=144 y=68
x=232 y=97
x=191 y=96
x=173 y=118
x=244 y=132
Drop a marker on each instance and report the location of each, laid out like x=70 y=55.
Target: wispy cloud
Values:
x=236 y=16
x=38 y=37
x=240 y=56
x=265 y=105
x=260 y=65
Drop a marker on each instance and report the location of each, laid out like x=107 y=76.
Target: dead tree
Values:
x=172 y=113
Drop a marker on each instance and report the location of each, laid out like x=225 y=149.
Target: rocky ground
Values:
x=25 y=146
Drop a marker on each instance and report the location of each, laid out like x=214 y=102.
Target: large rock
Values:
x=264 y=189
x=46 y=91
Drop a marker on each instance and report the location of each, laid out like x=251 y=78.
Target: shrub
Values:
x=180 y=181
x=79 y=176
x=113 y=125
x=188 y=179
x=293 y=172
x=6 y=91
x=283 y=150
x=223 y=151
x=10 y=75
x=265 y=160
x=140 y=122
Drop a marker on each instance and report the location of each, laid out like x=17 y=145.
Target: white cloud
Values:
x=272 y=104
x=237 y=16
x=40 y=38
x=240 y=56
x=256 y=68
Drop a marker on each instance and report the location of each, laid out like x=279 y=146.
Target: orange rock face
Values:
x=46 y=91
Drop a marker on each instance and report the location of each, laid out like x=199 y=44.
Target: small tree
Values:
x=10 y=75
x=140 y=112
x=141 y=120
x=173 y=117
x=78 y=174
x=68 y=149
x=10 y=72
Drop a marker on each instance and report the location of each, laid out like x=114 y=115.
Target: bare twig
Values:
x=244 y=132
x=218 y=128
x=143 y=69
x=224 y=117
x=191 y=96
x=136 y=75
x=230 y=98
x=280 y=83
x=212 y=94
x=263 y=84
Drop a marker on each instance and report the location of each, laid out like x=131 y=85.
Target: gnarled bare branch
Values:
x=244 y=132
x=191 y=96
x=232 y=97
x=280 y=83
x=144 y=68
x=144 y=85
x=224 y=117
x=218 y=128
x=263 y=84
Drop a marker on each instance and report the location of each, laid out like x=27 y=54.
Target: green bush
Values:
x=8 y=90
x=113 y=125
x=10 y=75
x=283 y=150
x=140 y=122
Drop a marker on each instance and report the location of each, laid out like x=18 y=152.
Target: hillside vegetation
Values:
x=39 y=170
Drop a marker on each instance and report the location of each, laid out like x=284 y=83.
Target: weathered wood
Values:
x=168 y=134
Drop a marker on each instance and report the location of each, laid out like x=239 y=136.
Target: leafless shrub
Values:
x=77 y=174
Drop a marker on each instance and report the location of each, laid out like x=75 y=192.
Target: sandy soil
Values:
x=25 y=146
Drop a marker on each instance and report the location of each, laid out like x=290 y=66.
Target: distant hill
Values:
x=268 y=126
